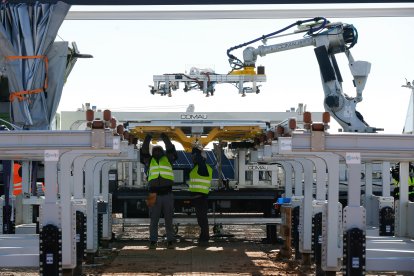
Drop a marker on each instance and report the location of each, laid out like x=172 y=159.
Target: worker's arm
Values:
x=171 y=153
x=202 y=167
x=145 y=155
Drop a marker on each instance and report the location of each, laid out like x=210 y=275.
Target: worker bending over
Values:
x=199 y=186
x=160 y=182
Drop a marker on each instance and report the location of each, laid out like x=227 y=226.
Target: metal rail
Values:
x=211 y=2
x=272 y=13
x=193 y=221
x=387 y=147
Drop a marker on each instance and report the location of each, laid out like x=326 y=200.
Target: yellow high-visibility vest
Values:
x=198 y=183
x=410 y=185
x=162 y=169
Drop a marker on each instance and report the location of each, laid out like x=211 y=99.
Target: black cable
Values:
x=236 y=63
x=355 y=35
x=349 y=124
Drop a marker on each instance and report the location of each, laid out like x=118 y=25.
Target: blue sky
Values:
x=128 y=53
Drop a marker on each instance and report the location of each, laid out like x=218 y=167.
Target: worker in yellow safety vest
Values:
x=199 y=186
x=160 y=181
x=395 y=173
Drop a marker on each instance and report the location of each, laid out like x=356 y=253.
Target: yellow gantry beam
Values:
x=226 y=134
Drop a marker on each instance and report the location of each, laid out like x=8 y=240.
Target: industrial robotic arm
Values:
x=328 y=40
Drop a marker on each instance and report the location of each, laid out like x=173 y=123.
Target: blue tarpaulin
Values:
x=34 y=64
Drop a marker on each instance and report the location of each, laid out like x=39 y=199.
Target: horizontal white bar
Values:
x=275 y=13
x=19 y=260
x=225 y=221
x=16 y=240
x=390 y=264
x=10 y=250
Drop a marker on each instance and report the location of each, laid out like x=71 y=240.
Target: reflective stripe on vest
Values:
x=17 y=189
x=198 y=183
x=162 y=169
x=17 y=180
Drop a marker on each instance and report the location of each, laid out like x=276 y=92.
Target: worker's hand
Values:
x=165 y=138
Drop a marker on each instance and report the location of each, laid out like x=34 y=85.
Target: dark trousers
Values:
x=164 y=204
x=200 y=204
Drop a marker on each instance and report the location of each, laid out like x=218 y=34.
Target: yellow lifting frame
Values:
x=225 y=134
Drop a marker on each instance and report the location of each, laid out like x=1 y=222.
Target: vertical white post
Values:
x=307 y=205
x=354 y=185
x=130 y=172
x=368 y=193
x=78 y=176
x=26 y=173
x=106 y=220
x=401 y=229
x=298 y=170
x=90 y=205
x=51 y=179
x=287 y=167
x=26 y=177
x=386 y=180
x=320 y=178
x=138 y=173
x=68 y=217
x=242 y=167
x=333 y=244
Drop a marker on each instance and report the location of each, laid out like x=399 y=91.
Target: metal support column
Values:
x=50 y=224
x=305 y=240
x=298 y=173
x=107 y=218
x=370 y=212
x=354 y=221
x=321 y=177
x=288 y=172
x=386 y=178
x=91 y=215
x=402 y=203
x=318 y=206
x=331 y=243
x=27 y=210
x=241 y=158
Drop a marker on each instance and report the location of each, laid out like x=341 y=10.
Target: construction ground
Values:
x=245 y=253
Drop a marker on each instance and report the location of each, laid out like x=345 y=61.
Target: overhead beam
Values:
x=279 y=13
x=206 y=2
x=44 y=139
x=357 y=142
x=372 y=146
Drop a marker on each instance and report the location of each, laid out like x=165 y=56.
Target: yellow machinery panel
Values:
x=225 y=134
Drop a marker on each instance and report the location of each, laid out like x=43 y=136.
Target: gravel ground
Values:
x=241 y=254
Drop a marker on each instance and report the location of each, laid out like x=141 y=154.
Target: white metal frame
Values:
x=55 y=147
x=374 y=147
x=271 y=12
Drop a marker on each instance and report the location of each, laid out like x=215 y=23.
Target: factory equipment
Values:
x=260 y=149
x=240 y=183
x=328 y=39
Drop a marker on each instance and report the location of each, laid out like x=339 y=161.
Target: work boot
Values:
x=153 y=245
x=202 y=243
x=170 y=245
